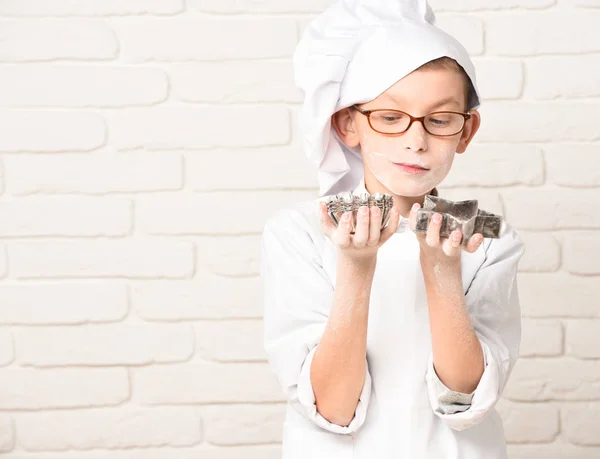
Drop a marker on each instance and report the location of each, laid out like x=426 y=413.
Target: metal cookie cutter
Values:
x=350 y=202
x=461 y=215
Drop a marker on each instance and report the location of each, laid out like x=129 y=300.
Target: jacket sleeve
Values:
x=298 y=295
x=492 y=301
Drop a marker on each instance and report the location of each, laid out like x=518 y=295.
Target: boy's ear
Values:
x=471 y=128
x=343 y=123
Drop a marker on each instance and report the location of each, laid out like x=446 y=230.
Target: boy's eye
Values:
x=390 y=117
x=439 y=120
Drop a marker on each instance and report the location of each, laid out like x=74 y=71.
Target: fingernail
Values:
x=346 y=217
x=437 y=218
x=415 y=206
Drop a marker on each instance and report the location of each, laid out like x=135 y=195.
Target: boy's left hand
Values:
x=435 y=247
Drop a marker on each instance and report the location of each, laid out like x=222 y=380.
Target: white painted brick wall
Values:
x=130 y=304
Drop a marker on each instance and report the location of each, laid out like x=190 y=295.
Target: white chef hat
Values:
x=352 y=53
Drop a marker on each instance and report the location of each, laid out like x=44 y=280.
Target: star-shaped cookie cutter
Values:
x=458 y=215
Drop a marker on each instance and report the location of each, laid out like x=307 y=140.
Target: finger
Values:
x=375 y=226
x=327 y=225
x=341 y=236
x=362 y=227
x=392 y=225
x=412 y=217
x=451 y=246
x=433 y=230
x=474 y=243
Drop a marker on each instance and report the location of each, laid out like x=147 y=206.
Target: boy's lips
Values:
x=409 y=167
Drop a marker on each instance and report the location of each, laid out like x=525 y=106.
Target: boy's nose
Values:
x=416 y=137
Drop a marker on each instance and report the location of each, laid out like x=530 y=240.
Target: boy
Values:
x=387 y=343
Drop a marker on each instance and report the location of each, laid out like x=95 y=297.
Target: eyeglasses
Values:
x=442 y=124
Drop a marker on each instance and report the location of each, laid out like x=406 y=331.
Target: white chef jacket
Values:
x=404 y=411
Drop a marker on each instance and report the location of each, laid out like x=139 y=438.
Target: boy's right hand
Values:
x=368 y=237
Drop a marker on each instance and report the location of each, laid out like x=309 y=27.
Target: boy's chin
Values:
x=410 y=190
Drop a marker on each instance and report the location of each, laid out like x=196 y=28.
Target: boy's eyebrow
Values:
x=445 y=101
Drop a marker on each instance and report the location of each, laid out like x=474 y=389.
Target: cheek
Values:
x=444 y=151
x=373 y=143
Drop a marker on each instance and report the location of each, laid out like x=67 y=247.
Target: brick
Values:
x=541 y=338
x=297 y=142
x=552 y=295
x=206 y=297
x=114 y=344
x=81 y=86
x=230 y=341
x=573 y=165
x=7 y=434
x=552 y=209
x=581 y=424
x=497 y=165
x=29 y=389
x=583 y=338
x=538 y=122
x=207 y=213
x=95 y=173
x=205 y=451
x=562 y=378
x=230 y=256
x=128 y=427
x=205 y=383
x=229 y=425
x=3 y=262
x=124 y=258
x=468 y=30
x=7 y=350
x=62 y=303
x=53 y=39
x=154 y=128
x=24 y=130
x=234 y=81
x=542 y=253
x=557 y=450
x=171 y=40
x=280 y=168
x=578 y=248
x=499 y=79
x=580 y=81
x=488 y=199
x=41 y=8
x=539 y=33
x=66 y=216
x=264 y=6
x=529 y=423
x=476 y=5
x=247 y=452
